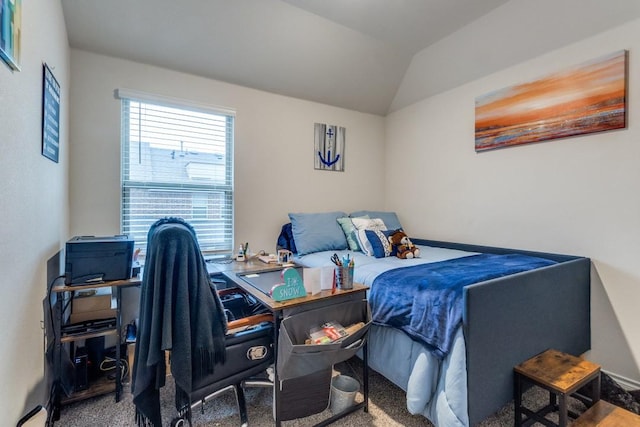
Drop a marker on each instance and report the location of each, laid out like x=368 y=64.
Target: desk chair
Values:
x=180 y=311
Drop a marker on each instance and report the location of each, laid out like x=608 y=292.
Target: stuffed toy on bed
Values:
x=402 y=245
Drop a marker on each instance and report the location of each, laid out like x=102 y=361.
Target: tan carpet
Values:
x=386 y=408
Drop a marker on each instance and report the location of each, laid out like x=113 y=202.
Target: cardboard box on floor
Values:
x=93 y=304
x=131 y=351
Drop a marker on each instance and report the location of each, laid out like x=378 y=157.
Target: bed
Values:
x=503 y=320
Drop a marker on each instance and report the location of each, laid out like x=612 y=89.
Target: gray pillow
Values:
x=390 y=219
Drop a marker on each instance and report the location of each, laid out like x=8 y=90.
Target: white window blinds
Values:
x=177 y=161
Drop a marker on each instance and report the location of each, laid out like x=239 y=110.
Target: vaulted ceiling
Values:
x=348 y=53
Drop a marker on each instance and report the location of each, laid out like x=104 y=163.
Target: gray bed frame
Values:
x=512 y=318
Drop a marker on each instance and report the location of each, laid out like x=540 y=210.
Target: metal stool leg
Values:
x=517 y=398
x=562 y=411
x=595 y=391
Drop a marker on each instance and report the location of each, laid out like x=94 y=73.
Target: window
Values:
x=177 y=160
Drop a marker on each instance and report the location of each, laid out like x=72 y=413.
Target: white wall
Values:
x=273 y=145
x=34 y=212
x=510 y=34
x=577 y=195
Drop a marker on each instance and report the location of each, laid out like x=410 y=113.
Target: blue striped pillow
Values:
x=379 y=243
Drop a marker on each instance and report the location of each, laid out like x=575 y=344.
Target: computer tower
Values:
x=81 y=369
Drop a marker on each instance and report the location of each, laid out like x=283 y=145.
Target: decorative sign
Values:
x=50 y=116
x=10 y=32
x=329 y=147
x=292 y=287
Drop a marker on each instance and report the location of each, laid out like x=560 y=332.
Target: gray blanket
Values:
x=178 y=312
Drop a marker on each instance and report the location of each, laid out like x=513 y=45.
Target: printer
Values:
x=91 y=259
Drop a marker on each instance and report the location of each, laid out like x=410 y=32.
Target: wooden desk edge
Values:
x=281 y=305
x=60 y=286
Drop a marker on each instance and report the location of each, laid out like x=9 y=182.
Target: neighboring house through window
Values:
x=177 y=161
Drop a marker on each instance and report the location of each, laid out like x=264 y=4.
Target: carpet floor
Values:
x=387 y=407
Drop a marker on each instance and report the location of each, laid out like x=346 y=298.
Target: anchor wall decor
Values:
x=329 y=147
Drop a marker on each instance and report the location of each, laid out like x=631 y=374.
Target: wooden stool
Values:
x=562 y=375
x=604 y=414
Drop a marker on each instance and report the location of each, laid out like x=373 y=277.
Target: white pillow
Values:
x=362 y=224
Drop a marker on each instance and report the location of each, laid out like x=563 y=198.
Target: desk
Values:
x=287 y=308
x=60 y=299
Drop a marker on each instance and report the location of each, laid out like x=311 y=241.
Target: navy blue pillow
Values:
x=285 y=239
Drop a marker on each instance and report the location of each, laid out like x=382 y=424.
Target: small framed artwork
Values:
x=329 y=147
x=50 y=115
x=10 y=32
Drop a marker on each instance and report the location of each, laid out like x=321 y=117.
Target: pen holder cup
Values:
x=344 y=277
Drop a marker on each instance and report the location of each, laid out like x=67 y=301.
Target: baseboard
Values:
x=37 y=417
x=625 y=383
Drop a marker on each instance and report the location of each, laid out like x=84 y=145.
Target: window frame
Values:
x=226 y=210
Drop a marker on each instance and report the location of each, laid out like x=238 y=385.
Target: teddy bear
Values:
x=402 y=245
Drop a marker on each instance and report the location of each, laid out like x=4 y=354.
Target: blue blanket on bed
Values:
x=425 y=301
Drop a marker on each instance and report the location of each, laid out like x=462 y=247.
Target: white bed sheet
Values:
x=368 y=268
x=435 y=388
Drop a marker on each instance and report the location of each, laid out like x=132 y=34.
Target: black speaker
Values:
x=80 y=369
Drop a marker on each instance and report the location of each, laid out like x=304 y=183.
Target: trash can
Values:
x=343 y=392
x=304 y=396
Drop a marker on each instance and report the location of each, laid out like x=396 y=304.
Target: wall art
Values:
x=329 y=147
x=588 y=98
x=50 y=115
x=10 y=32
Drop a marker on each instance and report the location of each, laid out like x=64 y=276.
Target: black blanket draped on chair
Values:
x=178 y=312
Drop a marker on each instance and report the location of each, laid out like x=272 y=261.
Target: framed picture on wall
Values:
x=10 y=32
x=50 y=115
x=587 y=98
x=329 y=147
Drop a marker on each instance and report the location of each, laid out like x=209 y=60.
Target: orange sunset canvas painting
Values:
x=584 y=99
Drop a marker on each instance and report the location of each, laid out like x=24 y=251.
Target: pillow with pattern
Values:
x=350 y=232
x=379 y=242
x=363 y=224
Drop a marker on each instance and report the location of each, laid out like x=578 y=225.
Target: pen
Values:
x=333 y=287
x=336 y=260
